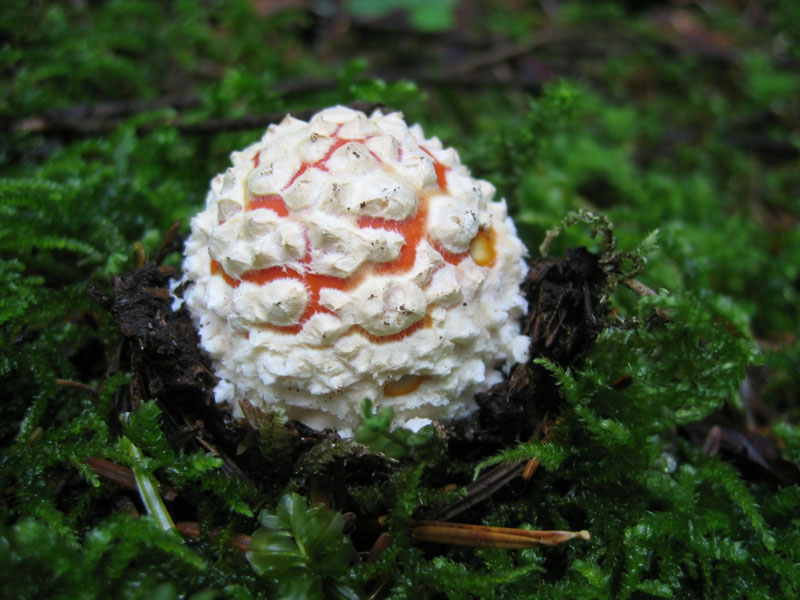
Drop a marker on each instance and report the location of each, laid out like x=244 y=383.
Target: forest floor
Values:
x=649 y=153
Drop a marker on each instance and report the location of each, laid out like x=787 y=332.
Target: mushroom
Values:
x=349 y=257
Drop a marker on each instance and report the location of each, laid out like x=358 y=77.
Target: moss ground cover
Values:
x=675 y=439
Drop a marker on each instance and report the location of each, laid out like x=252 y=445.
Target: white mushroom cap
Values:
x=349 y=258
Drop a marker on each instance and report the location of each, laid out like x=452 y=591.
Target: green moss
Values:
x=694 y=137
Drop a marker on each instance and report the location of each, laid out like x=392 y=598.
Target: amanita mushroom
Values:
x=348 y=258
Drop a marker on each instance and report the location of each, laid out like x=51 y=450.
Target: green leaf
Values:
x=300 y=543
x=376 y=433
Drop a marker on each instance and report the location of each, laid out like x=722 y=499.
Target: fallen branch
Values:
x=93 y=126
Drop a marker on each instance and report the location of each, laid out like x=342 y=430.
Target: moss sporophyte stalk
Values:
x=350 y=257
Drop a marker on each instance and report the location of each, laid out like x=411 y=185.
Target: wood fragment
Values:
x=168 y=242
x=462 y=534
x=712 y=441
x=756 y=456
x=638 y=287
x=530 y=468
x=78 y=386
x=122 y=475
x=191 y=529
x=623 y=381
x=479 y=490
x=380 y=545
x=56 y=125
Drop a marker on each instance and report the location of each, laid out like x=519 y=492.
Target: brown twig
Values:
x=508 y=52
x=229 y=466
x=713 y=440
x=95 y=126
x=462 y=534
x=494 y=479
x=122 y=475
x=166 y=243
x=78 y=386
x=381 y=544
x=479 y=490
x=530 y=468
x=191 y=529
x=92 y=118
x=638 y=287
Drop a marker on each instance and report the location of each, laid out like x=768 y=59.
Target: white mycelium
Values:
x=349 y=258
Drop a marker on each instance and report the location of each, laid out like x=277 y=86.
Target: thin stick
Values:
x=638 y=287
x=191 y=529
x=530 y=468
x=78 y=386
x=122 y=475
x=462 y=534
x=480 y=489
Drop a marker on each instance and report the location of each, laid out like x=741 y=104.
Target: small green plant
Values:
x=303 y=551
x=376 y=433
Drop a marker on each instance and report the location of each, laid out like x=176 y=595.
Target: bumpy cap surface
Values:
x=349 y=258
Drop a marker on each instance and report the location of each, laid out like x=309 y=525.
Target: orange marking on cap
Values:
x=481 y=248
x=412 y=229
x=314 y=283
x=441 y=175
x=287 y=329
x=449 y=257
x=216 y=269
x=423 y=323
x=263 y=276
x=441 y=170
x=321 y=163
x=405 y=385
x=271 y=201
